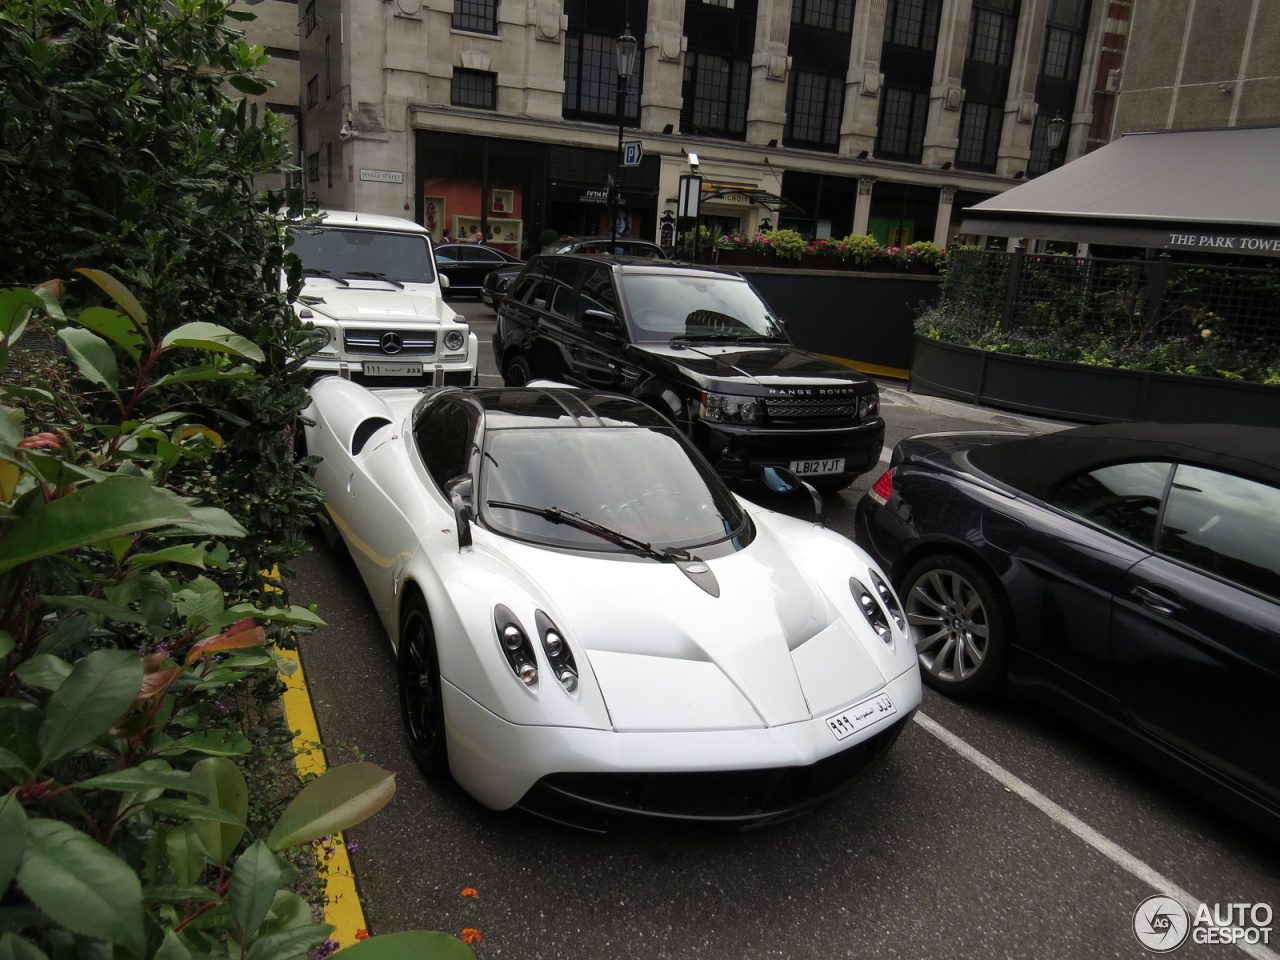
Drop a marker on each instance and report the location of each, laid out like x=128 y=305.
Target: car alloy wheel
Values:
x=517 y=373
x=421 y=695
x=956 y=618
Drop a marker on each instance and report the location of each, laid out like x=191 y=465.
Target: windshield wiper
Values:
x=761 y=338
x=374 y=275
x=703 y=338
x=328 y=275
x=556 y=515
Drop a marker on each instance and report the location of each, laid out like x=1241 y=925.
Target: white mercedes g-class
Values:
x=370 y=285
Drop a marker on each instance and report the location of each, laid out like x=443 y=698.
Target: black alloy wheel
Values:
x=956 y=618
x=517 y=372
x=421 y=694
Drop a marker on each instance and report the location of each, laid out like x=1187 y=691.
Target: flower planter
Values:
x=749 y=258
x=1088 y=394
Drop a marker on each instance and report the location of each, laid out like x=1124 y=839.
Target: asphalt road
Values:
x=991 y=831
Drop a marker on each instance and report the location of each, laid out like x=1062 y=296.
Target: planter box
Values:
x=1078 y=392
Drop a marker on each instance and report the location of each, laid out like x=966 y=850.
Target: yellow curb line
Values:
x=342 y=902
x=871 y=368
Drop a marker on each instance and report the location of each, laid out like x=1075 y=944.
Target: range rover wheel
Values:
x=956 y=618
x=517 y=372
x=421 y=694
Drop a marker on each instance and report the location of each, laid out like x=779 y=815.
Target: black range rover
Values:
x=701 y=346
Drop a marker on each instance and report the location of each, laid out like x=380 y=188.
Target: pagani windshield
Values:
x=637 y=481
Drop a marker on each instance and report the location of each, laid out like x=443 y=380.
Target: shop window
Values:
x=902 y=119
x=480 y=16
x=473 y=88
x=824 y=14
x=913 y=23
x=813 y=115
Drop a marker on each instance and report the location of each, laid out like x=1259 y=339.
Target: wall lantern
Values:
x=1057 y=126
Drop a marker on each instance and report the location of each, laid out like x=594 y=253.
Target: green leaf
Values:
x=19 y=728
x=13 y=947
x=118 y=292
x=172 y=948
x=410 y=943
x=6 y=643
x=290 y=944
x=114 y=325
x=140 y=779
x=102 y=686
x=113 y=508
x=288 y=912
x=82 y=885
x=187 y=810
x=92 y=356
x=207 y=371
x=249 y=86
x=224 y=786
x=211 y=336
x=254 y=882
x=13 y=837
x=102 y=608
x=186 y=854
x=44 y=671
x=15 y=307
x=337 y=799
x=192 y=555
x=216 y=743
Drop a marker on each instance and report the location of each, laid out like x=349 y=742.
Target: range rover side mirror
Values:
x=601 y=321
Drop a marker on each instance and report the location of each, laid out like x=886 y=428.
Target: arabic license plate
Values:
x=392 y=369
x=815 y=468
x=862 y=715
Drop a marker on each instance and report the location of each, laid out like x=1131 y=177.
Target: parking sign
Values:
x=632 y=151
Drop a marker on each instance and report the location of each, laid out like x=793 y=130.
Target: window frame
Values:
x=468 y=13
x=456 y=88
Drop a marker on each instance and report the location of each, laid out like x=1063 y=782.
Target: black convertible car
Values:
x=1125 y=575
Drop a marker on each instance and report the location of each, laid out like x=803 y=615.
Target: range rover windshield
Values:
x=664 y=308
x=631 y=490
x=345 y=253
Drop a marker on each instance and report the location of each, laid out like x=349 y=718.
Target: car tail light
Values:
x=871 y=610
x=882 y=489
x=516 y=646
x=563 y=666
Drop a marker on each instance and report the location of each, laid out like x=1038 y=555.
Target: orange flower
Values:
x=362 y=934
x=469 y=892
x=471 y=935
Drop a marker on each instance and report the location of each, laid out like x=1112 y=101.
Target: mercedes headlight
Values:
x=455 y=340
x=726 y=408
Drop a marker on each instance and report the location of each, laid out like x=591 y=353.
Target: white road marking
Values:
x=1064 y=818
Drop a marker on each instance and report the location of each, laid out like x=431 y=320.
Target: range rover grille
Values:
x=389 y=343
x=783 y=407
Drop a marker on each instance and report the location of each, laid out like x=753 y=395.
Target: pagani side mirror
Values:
x=782 y=480
x=461 y=493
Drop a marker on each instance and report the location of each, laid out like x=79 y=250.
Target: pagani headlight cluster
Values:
x=879 y=604
x=520 y=653
x=726 y=408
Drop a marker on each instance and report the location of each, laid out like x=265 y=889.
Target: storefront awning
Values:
x=1201 y=190
x=728 y=191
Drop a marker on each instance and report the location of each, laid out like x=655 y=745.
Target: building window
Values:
x=328 y=163
x=591 y=80
x=991 y=39
x=979 y=135
x=328 y=67
x=473 y=88
x=902 y=118
x=480 y=16
x=313 y=168
x=1058 y=84
x=727 y=4
x=309 y=19
x=313 y=91
x=825 y=14
x=716 y=89
x=813 y=115
x=913 y=23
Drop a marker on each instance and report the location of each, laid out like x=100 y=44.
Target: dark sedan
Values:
x=1126 y=575
x=498 y=282
x=467 y=264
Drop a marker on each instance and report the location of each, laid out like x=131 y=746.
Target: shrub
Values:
x=927 y=252
x=787 y=244
x=862 y=249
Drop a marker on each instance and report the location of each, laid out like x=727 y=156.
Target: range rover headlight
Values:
x=455 y=340
x=726 y=408
x=868 y=406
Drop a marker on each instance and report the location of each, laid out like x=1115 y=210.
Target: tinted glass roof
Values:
x=542 y=406
x=1039 y=464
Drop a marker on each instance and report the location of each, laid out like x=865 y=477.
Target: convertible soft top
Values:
x=1039 y=464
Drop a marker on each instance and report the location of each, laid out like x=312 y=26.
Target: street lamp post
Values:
x=624 y=49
